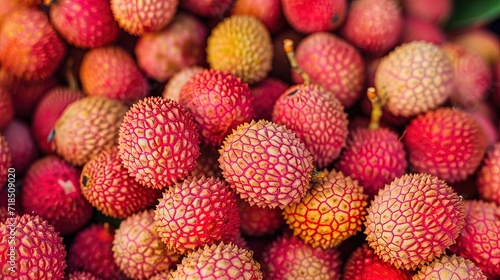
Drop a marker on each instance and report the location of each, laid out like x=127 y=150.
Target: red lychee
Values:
x=314 y=16
x=450 y=267
x=5 y=160
x=267 y=11
x=6 y=107
x=207 y=8
x=429 y=10
x=416 y=29
x=21 y=145
x=265 y=95
x=259 y=221
x=174 y=85
x=488 y=177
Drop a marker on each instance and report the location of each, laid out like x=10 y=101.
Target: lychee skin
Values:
x=39 y=250
x=139 y=17
x=218 y=262
x=429 y=10
x=316 y=16
x=80 y=275
x=5 y=160
x=266 y=164
x=265 y=95
x=480 y=237
x=207 y=8
x=21 y=144
x=332 y=211
x=197 y=212
x=174 y=85
x=317 y=53
x=414 y=78
x=6 y=107
x=269 y=12
x=158 y=142
x=259 y=221
x=488 y=177
x=84 y=23
x=450 y=267
x=446 y=143
x=219 y=102
x=416 y=29
x=207 y=163
x=413 y=220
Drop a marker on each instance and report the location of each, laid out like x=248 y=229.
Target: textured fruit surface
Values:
x=265 y=95
x=30 y=47
x=364 y=264
x=413 y=220
x=290 y=258
x=266 y=164
x=5 y=160
x=218 y=262
x=480 y=237
x=158 y=142
x=112 y=72
x=241 y=45
x=21 y=145
x=174 y=85
x=39 y=251
x=332 y=211
x=414 y=78
x=197 y=212
x=219 y=102
x=164 y=275
x=207 y=8
x=314 y=16
x=416 y=29
x=267 y=11
x=446 y=143
x=51 y=190
x=317 y=117
x=207 y=163
x=259 y=221
x=138 y=17
x=87 y=126
x=373 y=157
x=80 y=275
x=450 y=267
x=106 y=184
x=84 y=23
x=333 y=63
x=137 y=248
x=373 y=26
x=488 y=178
x=6 y=107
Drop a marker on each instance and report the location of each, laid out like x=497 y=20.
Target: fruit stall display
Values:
x=249 y=139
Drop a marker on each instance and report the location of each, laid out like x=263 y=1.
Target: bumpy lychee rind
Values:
x=207 y=163
x=447 y=143
x=219 y=261
x=174 y=85
x=488 y=178
x=138 y=250
x=373 y=157
x=333 y=63
x=413 y=220
x=6 y=107
x=480 y=237
x=266 y=164
x=5 y=161
x=87 y=126
x=219 y=102
x=164 y=275
x=332 y=211
x=106 y=184
x=51 y=190
x=158 y=142
x=197 y=212
x=316 y=117
x=81 y=275
x=265 y=95
x=450 y=267
x=289 y=257
x=314 y=16
x=39 y=252
x=21 y=144
x=259 y=221
x=414 y=78
x=242 y=46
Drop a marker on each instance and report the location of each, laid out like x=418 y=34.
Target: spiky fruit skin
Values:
x=309 y=17
x=304 y=109
x=480 y=237
x=197 y=212
x=106 y=184
x=450 y=267
x=21 y=145
x=137 y=248
x=318 y=52
x=331 y=211
x=5 y=160
x=266 y=164
x=265 y=95
x=473 y=75
x=373 y=26
x=112 y=72
x=91 y=251
x=51 y=190
x=413 y=220
x=414 y=78
x=288 y=257
x=158 y=142
x=174 y=85
x=259 y=221
x=446 y=143
x=219 y=261
x=80 y=275
x=30 y=47
x=428 y=10
x=242 y=46
x=364 y=264
x=139 y=17
x=87 y=126
x=268 y=12
x=207 y=8
x=373 y=157
x=84 y=23
x=416 y=29
x=488 y=178
x=38 y=248
x=164 y=275
x=219 y=101
x=6 y=108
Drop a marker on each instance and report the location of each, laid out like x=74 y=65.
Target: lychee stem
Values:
x=70 y=76
x=290 y=53
x=376 y=113
x=318 y=175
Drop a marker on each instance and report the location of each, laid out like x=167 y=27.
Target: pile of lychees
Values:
x=247 y=139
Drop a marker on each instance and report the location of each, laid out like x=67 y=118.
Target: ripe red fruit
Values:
x=207 y=8
x=488 y=177
x=267 y=11
x=5 y=160
x=6 y=107
x=21 y=144
x=174 y=85
x=265 y=95
x=314 y=16
x=416 y=29
x=429 y=10
x=259 y=221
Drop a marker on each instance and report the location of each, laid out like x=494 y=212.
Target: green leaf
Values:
x=468 y=12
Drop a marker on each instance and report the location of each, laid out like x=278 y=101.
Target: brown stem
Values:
x=290 y=53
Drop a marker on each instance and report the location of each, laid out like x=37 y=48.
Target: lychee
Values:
x=488 y=177
x=207 y=8
x=416 y=29
x=21 y=145
x=207 y=163
x=482 y=40
x=450 y=267
x=429 y=10
x=5 y=160
x=265 y=95
x=81 y=275
x=314 y=16
x=6 y=107
x=259 y=221
x=267 y=11
x=174 y=85
x=164 y=275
